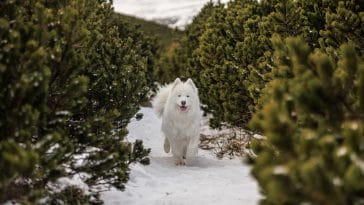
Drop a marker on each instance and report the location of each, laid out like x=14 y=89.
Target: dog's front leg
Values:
x=177 y=151
x=192 y=150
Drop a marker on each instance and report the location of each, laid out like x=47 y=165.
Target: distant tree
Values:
x=218 y=63
x=178 y=59
x=344 y=23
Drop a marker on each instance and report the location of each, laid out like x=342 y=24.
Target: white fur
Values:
x=180 y=124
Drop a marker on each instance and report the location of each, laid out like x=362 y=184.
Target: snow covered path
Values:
x=207 y=181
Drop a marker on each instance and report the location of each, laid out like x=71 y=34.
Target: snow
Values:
x=175 y=13
x=206 y=181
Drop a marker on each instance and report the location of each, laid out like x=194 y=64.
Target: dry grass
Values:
x=231 y=144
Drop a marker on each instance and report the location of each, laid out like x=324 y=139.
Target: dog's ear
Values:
x=190 y=82
x=176 y=82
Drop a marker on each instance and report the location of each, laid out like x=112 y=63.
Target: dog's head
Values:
x=184 y=95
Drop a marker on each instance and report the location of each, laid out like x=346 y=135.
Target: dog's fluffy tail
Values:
x=159 y=101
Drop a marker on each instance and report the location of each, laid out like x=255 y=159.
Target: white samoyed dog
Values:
x=179 y=106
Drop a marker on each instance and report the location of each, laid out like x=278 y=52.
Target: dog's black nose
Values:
x=183 y=102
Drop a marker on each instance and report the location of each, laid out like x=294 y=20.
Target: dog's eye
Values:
x=179 y=96
x=188 y=96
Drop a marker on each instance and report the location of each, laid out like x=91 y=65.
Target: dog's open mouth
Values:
x=183 y=107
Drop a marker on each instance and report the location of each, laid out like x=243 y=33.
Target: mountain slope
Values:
x=164 y=35
x=176 y=13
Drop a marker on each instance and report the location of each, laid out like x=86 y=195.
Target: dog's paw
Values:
x=180 y=163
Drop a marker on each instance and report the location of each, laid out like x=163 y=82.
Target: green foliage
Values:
x=227 y=50
x=344 y=23
x=71 y=76
x=313 y=120
x=73 y=195
x=167 y=68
